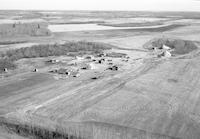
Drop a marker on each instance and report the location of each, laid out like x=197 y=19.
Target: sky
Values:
x=123 y=5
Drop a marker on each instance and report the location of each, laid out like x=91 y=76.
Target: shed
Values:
x=5 y=70
x=101 y=55
x=166 y=54
x=35 y=70
x=114 y=68
x=75 y=74
x=79 y=58
x=53 y=61
x=89 y=57
x=166 y=47
x=92 y=66
x=63 y=71
x=86 y=67
x=100 y=61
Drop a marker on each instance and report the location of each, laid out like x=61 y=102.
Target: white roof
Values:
x=168 y=54
x=166 y=47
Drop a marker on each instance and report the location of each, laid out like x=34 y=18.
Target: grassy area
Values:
x=6 y=63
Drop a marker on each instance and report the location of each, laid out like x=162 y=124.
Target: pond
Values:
x=90 y=27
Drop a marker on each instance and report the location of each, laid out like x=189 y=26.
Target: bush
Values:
x=179 y=46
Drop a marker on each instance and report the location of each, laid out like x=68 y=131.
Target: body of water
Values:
x=89 y=27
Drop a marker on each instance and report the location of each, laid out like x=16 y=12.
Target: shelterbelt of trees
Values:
x=7 y=58
x=29 y=27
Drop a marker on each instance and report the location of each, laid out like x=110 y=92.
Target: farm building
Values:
x=72 y=64
x=53 y=61
x=63 y=71
x=79 y=58
x=114 y=68
x=100 y=61
x=5 y=70
x=101 y=55
x=69 y=72
x=89 y=57
x=87 y=66
x=166 y=54
x=35 y=70
x=75 y=74
x=165 y=47
x=92 y=66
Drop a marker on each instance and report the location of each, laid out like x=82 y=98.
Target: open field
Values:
x=116 y=83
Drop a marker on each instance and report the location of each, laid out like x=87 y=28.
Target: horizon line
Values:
x=97 y=10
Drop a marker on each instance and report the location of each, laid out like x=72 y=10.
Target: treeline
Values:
x=45 y=50
x=11 y=42
x=24 y=29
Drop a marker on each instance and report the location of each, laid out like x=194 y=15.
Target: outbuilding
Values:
x=79 y=58
x=75 y=74
x=114 y=68
x=101 y=55
x=166 y=54
x=53 y=61
x=5 y=70
x=35 y=70
x=100 y=61
x=86 y=67
x=89 y=57
x=63 y=71
x=166 y=47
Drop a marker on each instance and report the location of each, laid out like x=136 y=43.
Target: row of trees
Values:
x=45 y=50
